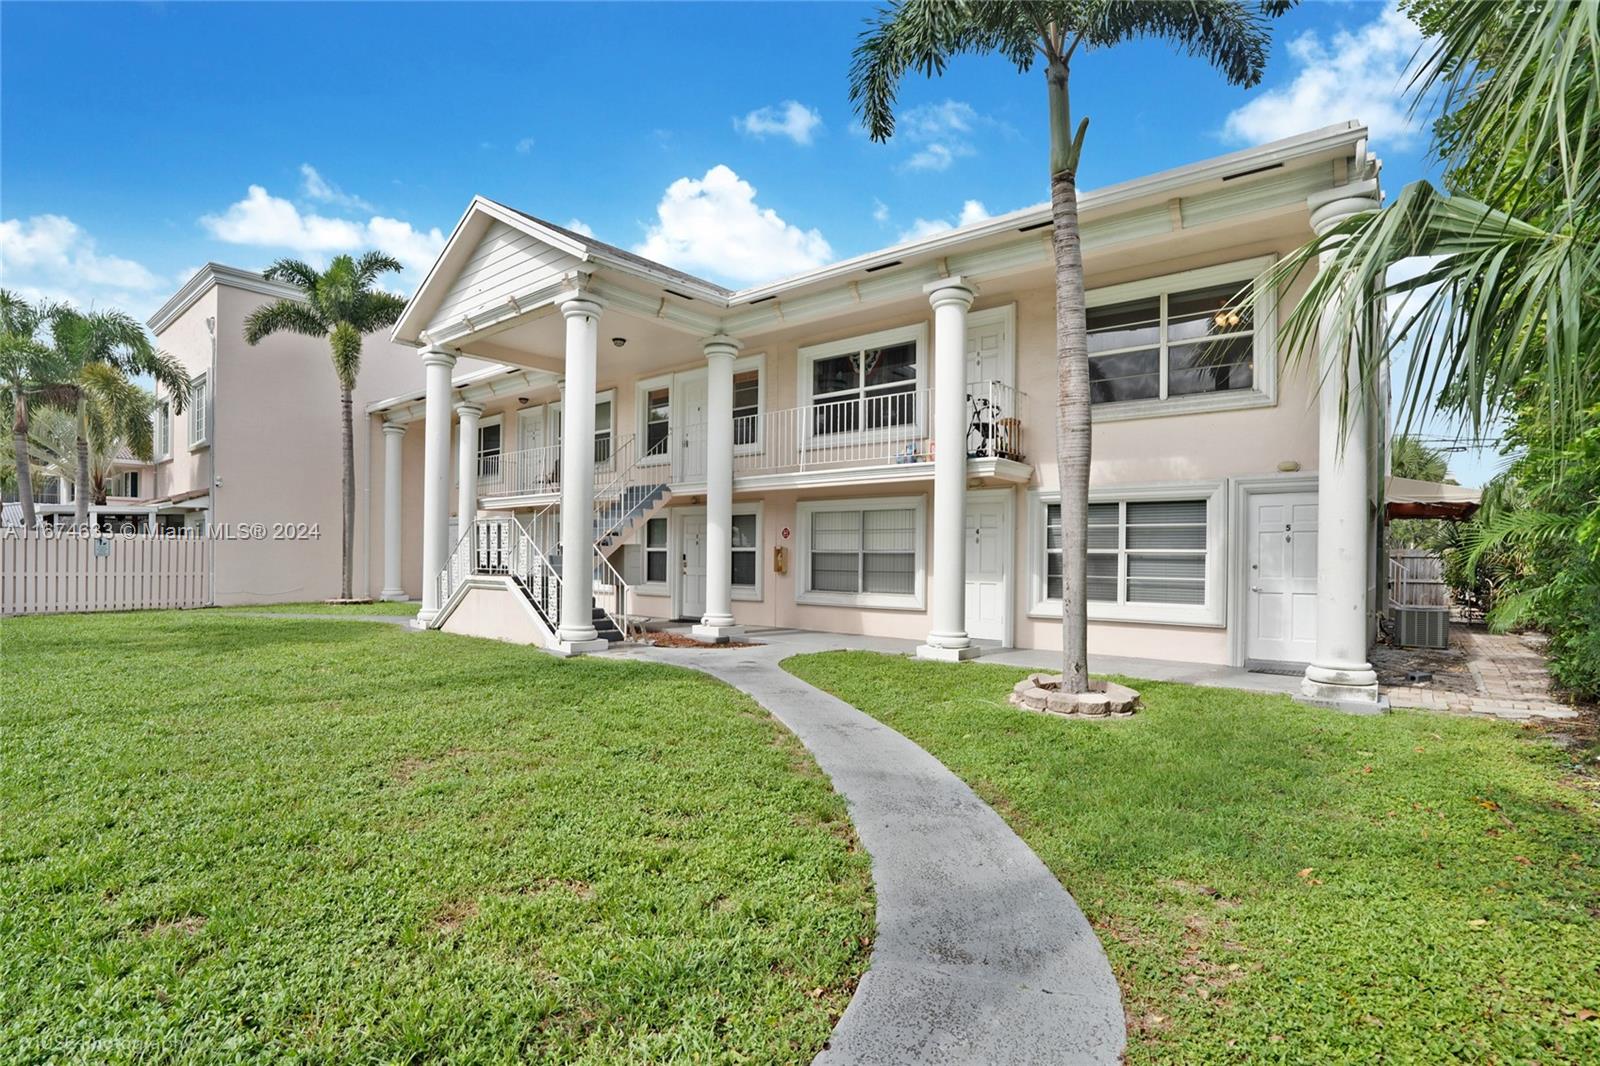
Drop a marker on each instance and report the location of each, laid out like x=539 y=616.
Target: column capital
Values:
x=394 y=429
x=468 y=409
x=956 y=289
x=438 y=357
x=721 y=346
x=583 y=305
x=1330 y=207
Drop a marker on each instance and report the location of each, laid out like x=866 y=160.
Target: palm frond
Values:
x=373 y=265
x=378 y=310
x=294 y=271
x=283 y=316
x=1230 y=36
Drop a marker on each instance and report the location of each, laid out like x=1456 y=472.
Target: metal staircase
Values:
x=503 y=547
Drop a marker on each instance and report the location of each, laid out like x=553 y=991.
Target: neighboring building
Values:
x=870 y=447
x=127 y=508
x=254 y=458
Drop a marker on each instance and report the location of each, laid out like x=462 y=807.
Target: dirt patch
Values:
x=675 y=639
x=453 y=915
x=188 y=925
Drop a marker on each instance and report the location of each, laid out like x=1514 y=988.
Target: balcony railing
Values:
x=532 y=471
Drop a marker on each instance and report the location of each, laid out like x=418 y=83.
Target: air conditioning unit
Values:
x=1421 y=627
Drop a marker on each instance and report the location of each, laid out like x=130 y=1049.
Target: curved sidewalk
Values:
x=981 y=956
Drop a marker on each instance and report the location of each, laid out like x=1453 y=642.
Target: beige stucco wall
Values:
x=187 y=340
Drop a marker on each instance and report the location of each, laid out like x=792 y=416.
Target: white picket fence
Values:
x=57 y=572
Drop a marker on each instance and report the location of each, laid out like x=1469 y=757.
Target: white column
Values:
x=467 y=464
x=947 y=579
x=437 y=365
x=717 y=623
x=394 y=437
x=575 y=631
x=1339 y=672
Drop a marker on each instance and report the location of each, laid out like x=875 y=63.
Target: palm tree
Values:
x=923 y=35
x=340 y=304
x=53 y=443
x=1508 y=297
x=102 y=350
x=28 y=366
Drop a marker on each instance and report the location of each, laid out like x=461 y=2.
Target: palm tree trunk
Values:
x=347 y=543
x=80 y=490
x=1072 y=388
x=19 y=445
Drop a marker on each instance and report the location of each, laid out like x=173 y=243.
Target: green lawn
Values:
x=231 y=838
x=389 y=608
x=1278 y=883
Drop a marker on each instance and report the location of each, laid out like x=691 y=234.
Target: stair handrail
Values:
x=515 y=554
x=606 y=576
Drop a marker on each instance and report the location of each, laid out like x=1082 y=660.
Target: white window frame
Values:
x=674 y=586
x=664 y=586
x=163 y=430
x=758 y=363
x=885 y=601
x=200 y=412
x=1212 y=613
x=750 y=592
x=555 y=428
x=641 y=411
x=483 y=424
x=883 y=338
x=1263 y=391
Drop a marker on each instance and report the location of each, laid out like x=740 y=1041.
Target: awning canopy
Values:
x=1409 y=498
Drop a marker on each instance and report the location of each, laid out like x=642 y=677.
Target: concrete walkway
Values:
x=981 y=956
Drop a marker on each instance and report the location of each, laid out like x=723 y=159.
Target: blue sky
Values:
x=141 y=140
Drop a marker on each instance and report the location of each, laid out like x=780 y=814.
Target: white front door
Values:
x=1282 y=596
x=689 y=426
x=692 y=567
x=986 y=570
x=988 y=348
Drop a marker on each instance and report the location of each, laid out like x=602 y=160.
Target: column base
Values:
x=935 y=653
x=1349 y=690
x=394 y=595
x=566 y=649
x=715 y=633
x=423 y=619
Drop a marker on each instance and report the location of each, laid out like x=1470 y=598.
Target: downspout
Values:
x=211 y=436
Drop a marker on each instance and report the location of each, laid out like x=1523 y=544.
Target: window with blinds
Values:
x=870 y=550
x=1140 y=551
x=1172 y=344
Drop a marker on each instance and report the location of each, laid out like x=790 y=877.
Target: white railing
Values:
x=880 y=430
x=501 y=547
x=614 y=596
x=536 y=471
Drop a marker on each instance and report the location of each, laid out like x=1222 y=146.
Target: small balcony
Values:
x=887 y=437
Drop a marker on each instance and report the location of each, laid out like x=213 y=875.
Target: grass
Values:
x=1275 y=883
x=387 y=608
x=239 y=839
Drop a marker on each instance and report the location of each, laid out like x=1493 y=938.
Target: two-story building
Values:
x=869 y=447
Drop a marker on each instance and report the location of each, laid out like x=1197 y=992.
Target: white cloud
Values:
x=942 y=133
x=267 y=221
x=880 y=212
x=971 y=211
x=714 y=226
x=318 y=188
x=579 y=226
x=50 y=257
x=790 y=119
x=1360 y=74
x=525 y=146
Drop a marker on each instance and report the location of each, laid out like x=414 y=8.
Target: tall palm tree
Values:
x=28 y=366
x=103 y=350
x=340 y=304
x=53 y=441
x=923 y=35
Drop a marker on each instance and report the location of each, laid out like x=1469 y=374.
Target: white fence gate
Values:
x=53 y=572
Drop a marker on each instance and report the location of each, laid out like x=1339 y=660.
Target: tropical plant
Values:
x=341 y=304
x=102 y=351
x=53 y=443
x=924 y=35
x=29 y=365
x=1409 y=457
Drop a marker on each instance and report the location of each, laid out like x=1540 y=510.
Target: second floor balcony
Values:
x=885 y=437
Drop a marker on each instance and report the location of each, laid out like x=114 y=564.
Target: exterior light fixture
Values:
x=619 y=341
